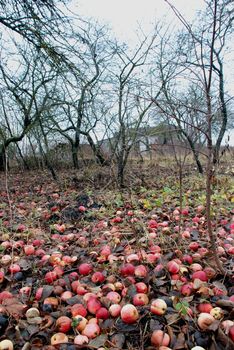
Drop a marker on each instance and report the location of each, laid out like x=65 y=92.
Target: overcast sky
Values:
x=125 y=16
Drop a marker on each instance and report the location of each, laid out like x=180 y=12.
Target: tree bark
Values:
x=2 y=159
x=96 y=150
x=75 y=161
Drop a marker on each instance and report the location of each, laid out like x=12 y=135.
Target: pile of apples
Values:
x=114 y=285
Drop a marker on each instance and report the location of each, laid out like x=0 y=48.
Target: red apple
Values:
x=63 y=324
x=82 y=209
x=140 y=299
x=173 y=267
x=2 y=275
x=158 y=307
x=78 y=309
x=50 y=277
x=187 y=259
x=231 y=333
x=114 y=310
x=159 y=338
x=127 y=270
x=187 y=289
x=29 y=249
x=66 y=295
x=98 y=277
x=5 y=295
x=114 y=297
x=102 y=313
x=194 y=246
x=141 y=271
x=14 y=268
x=141 y=287
x=39 y=293
x=129 y=313
x=210 y=272
x=201 y=275
x=93 y=305
x=85 y=269
x=92 y=330
x=204 y=308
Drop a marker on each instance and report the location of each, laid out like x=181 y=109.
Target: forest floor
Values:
x=145 y=240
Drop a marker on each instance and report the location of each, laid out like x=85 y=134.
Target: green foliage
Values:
x=182 y=307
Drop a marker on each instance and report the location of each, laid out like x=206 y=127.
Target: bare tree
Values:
x=75 y=106
x=24 y=98
x=39 y=22
x=204 y=47
x=132 y=104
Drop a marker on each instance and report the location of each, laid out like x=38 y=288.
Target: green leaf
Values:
x=178 y=306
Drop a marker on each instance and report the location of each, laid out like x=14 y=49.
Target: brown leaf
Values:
x=98 y=341
x=180 y=342
x=225 y=304
x=118 y=340
x=24 y=264
x=197 y=284
x=14 y=307
x=225 y=340
x=220 y=286
x=47 y=291
x=172 y=318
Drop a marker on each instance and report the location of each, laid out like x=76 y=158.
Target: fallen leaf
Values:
x=98 y=341
x=14 y=307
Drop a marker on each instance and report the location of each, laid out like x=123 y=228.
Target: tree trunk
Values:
x=195 y=152
x=2 y=159
x=223 y=112
x=37 y=162
x=75 y=161
x=26 y=166
x=198 y=163
x=120 y=174
x=96 y=150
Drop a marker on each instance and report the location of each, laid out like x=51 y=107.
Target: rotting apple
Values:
x=59 y=338
x=81 y=340
x=205 y=320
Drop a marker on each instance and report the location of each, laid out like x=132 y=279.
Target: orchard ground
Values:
x=149 y=245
